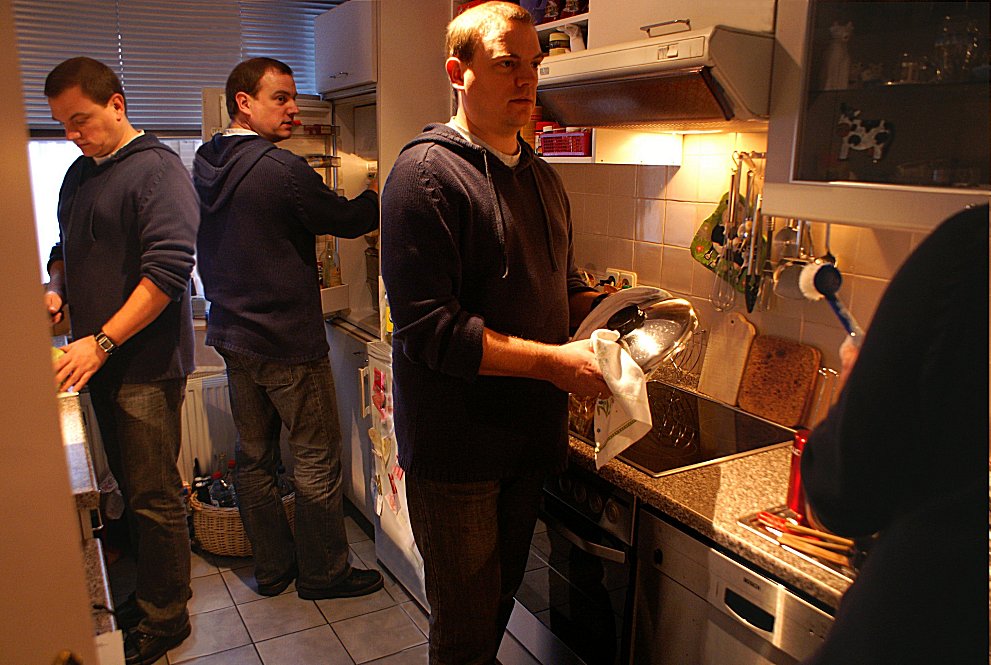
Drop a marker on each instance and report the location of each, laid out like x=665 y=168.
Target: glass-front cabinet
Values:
x=879 y=112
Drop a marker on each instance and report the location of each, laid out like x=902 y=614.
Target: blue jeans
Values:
x=264 y=396
x=141 y=430
x=474 y=538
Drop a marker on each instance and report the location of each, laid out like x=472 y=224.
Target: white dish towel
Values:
x=624 y=417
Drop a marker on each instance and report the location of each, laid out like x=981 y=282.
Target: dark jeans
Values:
x=474 y=539
x=141 y=430
x=264 y=395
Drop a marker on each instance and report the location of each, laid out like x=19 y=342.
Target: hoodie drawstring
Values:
x=501 y=228
x=547 y=223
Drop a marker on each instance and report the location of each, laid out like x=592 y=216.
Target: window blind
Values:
x=164 y=53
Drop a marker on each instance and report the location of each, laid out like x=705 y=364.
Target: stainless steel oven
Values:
x=579 y=584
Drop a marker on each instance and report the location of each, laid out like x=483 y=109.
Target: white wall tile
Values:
x=751 y=142
x=703 y=280
x=866 y=293
x=709 y=144
x=622 y=179
x=651 y=181
x=621 y=217
x=827 y=339
x=619 y=253
x=579 y=221
x=683 y=181
x=680 y=223
x=649 y=220
x=881 y=252
x=597 y=214
x=713 y=175
x=590 y=252
x=676 y=270
x=647 y=263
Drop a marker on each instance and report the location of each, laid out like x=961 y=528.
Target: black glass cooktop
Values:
x=691 y=430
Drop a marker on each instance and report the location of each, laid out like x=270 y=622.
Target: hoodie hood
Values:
x=451 y=139
x=222 y=163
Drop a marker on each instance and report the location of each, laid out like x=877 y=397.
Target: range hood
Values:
x=713 y=78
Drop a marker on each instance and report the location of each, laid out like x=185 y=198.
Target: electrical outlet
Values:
x=627 y=279
x=613 y=274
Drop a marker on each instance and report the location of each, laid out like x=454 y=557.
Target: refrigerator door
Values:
x=394 y=545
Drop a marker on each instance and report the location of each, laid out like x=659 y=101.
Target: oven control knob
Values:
x=564 y=483
x=579 y=493
x=595 y=503
x=612 y=513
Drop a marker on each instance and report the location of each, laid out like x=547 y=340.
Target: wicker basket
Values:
x=220 y=530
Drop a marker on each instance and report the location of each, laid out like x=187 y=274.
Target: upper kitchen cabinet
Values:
x=879 y=112
x=611 y=23
x=346 y=40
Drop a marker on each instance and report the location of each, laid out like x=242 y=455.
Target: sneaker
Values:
x=128 y=614
x=276 y=588
x=141 y=648
x=359 y=583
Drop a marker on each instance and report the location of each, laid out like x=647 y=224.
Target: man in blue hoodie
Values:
x=478 y=262
x=127 y=217
x=262 y=208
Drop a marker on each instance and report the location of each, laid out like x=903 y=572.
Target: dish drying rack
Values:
x=684 y=369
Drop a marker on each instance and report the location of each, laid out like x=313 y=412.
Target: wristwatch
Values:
x=107 y=344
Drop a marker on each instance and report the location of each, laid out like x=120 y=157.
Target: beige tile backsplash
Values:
x=644 y=218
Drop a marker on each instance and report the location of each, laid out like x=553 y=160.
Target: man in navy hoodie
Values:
x=262 y=208
x=127 y=217
x=478 y=262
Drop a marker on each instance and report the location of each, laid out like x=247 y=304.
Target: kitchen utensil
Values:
x=751 y=285
x=723 y=295
x=652 y=325
x=823 y=280
x=824 y=396
x=778 y=379
x=725 y=357
x=824 y=544
x=814 y=550
x=765 y=292
x=781 y=524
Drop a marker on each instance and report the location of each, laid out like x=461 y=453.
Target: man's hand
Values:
x=577 y=371
x=54 y=304
x=848 y=357
x=83 y=358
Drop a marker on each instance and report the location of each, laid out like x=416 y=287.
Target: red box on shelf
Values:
x=566 y=144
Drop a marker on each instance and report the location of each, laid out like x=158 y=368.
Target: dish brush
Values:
x=823 y=280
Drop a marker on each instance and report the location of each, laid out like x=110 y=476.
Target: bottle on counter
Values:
x=331 y=266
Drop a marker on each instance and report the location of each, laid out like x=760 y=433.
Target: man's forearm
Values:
x=56 y=278
x=503 y=355
x=142 y=307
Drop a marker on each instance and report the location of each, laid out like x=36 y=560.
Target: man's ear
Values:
x=243 y=101
x=117 y=102
x=456 y=72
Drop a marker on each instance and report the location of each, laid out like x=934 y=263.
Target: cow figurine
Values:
x=860 y=134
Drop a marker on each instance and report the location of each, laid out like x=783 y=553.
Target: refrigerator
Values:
x=394 y=544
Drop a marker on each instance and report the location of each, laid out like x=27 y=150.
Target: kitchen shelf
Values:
x=578 y=19
x=334 y=299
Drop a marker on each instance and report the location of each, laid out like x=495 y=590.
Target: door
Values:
x=41 y=558
x=349 y=362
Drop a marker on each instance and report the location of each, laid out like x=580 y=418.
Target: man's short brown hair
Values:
x=247 y=76
x=467 y=30
x=97 y=81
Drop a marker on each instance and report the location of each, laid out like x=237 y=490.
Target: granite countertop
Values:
x=712 y=498
x=86 y=492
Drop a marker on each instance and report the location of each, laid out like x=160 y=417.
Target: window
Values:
x=164 y=53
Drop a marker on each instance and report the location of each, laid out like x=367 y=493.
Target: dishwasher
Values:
x=695 y=605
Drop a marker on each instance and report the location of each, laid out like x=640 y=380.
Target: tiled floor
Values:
x=233 y=625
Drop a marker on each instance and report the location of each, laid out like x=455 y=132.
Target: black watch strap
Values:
x=107 y=344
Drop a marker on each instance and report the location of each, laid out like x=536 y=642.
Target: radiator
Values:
x=207 y=425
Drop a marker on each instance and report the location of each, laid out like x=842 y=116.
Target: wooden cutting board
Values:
x=725 y=357
x=779 y=379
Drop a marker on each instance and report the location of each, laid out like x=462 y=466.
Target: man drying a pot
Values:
x=478 y=263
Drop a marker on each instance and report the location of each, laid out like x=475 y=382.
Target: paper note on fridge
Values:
x=624 y=417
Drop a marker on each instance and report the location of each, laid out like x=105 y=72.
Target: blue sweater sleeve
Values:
x=169 y=216
x=421 y=267
x=323 y=212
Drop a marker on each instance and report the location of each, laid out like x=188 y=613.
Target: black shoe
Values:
x=359 y=583
x=141 y=648
x=276 y=588
x=128 y=614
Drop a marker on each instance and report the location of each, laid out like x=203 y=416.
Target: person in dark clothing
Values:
x=127 y=217
x=904 y=453
x=477 y=259
x=262 y=208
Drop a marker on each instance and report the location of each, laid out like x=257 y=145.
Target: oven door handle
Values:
x=596 y=550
